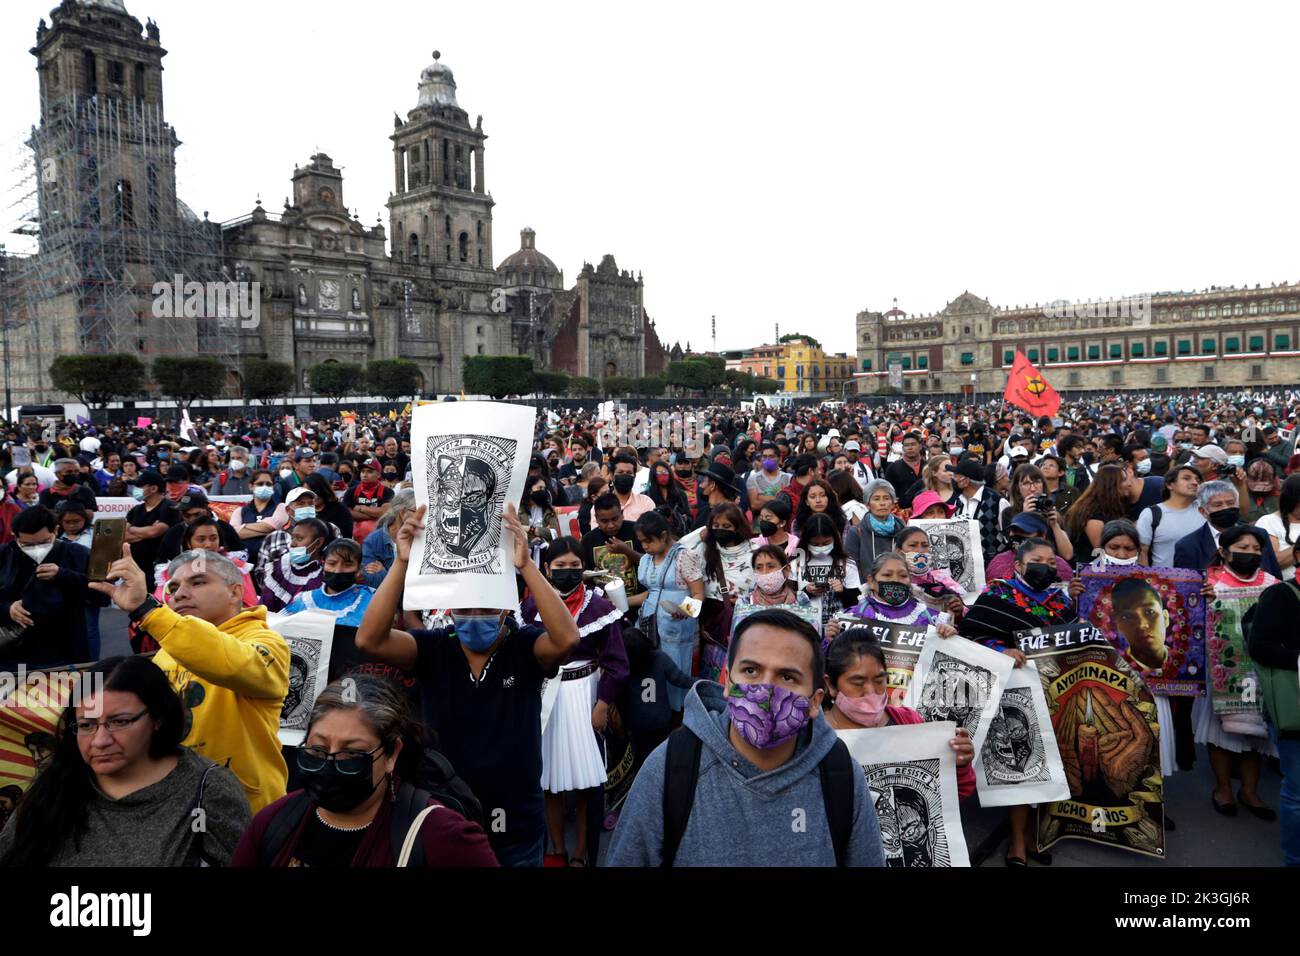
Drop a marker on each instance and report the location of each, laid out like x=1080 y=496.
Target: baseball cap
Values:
x=297 y=493
x=1029 y=523
x=179 y=472
x=303 y=453
x=852 y=446
x=1019 y=451
x=149 y=478
x=373 y=465
x=1212 y=452
x=195 y=499
x=970 y=468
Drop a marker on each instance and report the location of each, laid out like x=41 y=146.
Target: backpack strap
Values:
x=280 y=829
x=410 y=804
x=681 y=772
x=197 y=849
x=1156 y=514
x=837 y=770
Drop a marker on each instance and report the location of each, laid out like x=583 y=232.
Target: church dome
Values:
x=437 y=85
x=117 y=6
x=528 y=261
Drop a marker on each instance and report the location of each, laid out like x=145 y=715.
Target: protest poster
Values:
x=955 y=547
x=310 y=636
x=1106 y=729
x=958 y=680
x=912 y=774
x=1156 y=618
x=1234 y=685
x=469 y=459
x=902 y=645
x=224 y=506
x=1020 y=762
x=31 y=702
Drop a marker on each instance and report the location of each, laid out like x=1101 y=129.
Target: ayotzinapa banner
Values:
x=1105 y=722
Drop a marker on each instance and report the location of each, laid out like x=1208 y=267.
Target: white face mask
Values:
x=820 y=550
x=286 y=472
x=37 y=552
x=1110 y=559
x=236 y=465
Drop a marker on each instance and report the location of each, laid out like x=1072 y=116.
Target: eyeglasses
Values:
x=348 y=762
x=114 y=725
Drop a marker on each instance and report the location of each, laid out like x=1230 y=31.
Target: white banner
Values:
x=468 y=461
x=955 y=548
x=912 y=774
x=114 y=507
x=956 y=679
x=310 y=636
x=1021 y=762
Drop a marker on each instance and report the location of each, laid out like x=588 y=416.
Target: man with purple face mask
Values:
x=753 y=755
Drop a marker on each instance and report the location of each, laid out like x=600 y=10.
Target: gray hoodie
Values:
x=741 y=816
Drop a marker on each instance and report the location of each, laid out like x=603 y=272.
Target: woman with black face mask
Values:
x=340 y=593
x=576 y=704
x=543 y=524
x=668 y=497
x=1032 y=597
x=1242 y=740
x=361 y=767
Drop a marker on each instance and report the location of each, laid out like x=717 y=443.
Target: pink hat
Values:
x=927 y=500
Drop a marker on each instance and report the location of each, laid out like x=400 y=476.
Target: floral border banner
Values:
x=1234 y=685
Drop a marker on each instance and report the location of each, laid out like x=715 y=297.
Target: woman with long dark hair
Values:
x=827 y=574
x=361 y=766
x=328 y=506
x=1283 y=526
x=120 y=789
x=1028 y=488
x=819 y=498
x=670 y=501
x=662 y=571
x=849 y=494
x=578 y=701
x=1104 y=500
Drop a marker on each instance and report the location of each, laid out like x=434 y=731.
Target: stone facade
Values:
x=1220 y=337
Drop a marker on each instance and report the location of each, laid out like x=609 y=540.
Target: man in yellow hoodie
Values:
x=229 y=668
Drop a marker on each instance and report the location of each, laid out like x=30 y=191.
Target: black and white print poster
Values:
x=310 y=635
x=912 y=774
x=955 y=548
x=1020 y=762
x=469 y=460
x=961 y=681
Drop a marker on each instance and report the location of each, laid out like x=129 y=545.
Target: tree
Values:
x=393 y=378
x=799 y=335
x=618 y=386
x=766 y=386
x=700 y=372
x=265 y=381
x=651 y=385
x=189 y=378
x=98 y=379
x=498 y=375
x=550 y=383
x=738 y=382
x=337 y=379
x=581 y=385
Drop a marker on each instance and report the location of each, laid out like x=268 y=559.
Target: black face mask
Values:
x=1224 y=518
x=338 y=792
x=1246 y=565
x=623 y=483
x=767 y=528
x=339 y=580
x=1040 y=577
x=540 y=498
x=566 y=579
x=684 y=472
x=724 y=537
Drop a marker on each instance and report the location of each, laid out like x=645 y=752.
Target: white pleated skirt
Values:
x=1208 y=729
x=571 y=756
x=1165 y=718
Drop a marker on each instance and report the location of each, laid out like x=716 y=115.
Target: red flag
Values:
x=1027 y=389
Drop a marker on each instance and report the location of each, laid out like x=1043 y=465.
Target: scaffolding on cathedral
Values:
x=96 y=199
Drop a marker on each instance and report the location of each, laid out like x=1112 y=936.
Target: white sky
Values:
x=772 y=162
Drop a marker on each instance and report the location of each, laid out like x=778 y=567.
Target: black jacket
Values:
x=1197 y=551
x=57 y=607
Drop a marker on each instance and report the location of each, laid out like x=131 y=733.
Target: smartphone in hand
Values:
x=105 y=547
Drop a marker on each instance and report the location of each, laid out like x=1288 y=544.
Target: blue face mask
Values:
x=137 y=493
x=263 y=492
x=299 y=556
x=303 y=514
x=476 y=632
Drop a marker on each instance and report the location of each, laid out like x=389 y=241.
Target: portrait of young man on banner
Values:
x=1156 y=619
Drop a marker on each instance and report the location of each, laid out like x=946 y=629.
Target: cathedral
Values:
x=422 y=287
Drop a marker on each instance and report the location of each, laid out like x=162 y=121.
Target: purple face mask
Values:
x=765 y=715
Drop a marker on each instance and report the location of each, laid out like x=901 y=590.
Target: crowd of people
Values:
x=713 y=584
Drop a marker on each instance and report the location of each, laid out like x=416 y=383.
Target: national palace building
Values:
x=1219 y=338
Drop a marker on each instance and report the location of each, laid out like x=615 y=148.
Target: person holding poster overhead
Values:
x=1030 y=598
x=481 y=682
x=857 y=685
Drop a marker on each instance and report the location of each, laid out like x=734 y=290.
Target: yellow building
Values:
x=801 y=367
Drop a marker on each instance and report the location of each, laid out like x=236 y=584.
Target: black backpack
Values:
x=682 y=771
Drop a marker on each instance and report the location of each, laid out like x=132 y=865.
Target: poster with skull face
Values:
x=310 y=635
x=469 y=460
x=958 y=680
x=911 y=772
x=1020 y=762
x=955 y=548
